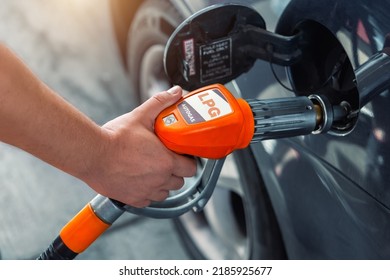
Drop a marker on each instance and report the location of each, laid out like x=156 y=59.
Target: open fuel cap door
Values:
x=205 y=48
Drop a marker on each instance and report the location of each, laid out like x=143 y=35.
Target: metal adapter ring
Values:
x=326 y=110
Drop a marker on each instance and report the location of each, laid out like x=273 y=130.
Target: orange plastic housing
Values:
x=209 y=122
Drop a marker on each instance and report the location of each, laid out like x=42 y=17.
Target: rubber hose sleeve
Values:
x=57 y=250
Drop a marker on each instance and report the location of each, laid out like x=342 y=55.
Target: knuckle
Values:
x=142 y=204
x=179 y=182
x=170 y=164
x=162 y=195
x=159 y=98
x=193 y=169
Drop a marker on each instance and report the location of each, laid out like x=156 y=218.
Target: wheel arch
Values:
x=122 y=13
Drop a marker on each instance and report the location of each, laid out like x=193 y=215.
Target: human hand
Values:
x=134 y=167
x=123 y=160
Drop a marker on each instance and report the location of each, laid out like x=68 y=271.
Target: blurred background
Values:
x=70 y=45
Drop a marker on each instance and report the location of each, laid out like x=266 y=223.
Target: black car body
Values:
x=310 y=197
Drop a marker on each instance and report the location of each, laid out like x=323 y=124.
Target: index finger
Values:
x=184 y=166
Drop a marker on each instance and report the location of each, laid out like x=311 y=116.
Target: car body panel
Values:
x=362 y=155
x=330 y=193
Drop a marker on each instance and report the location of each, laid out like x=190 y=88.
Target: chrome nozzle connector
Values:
x=324 y=113
x=327 y=113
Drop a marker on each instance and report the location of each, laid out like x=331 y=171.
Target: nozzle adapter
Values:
x=293 y=116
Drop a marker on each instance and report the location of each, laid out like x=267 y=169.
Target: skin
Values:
x=123 y=159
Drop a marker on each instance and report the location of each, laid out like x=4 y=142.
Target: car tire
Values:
x=153 y=23
x=238 y=222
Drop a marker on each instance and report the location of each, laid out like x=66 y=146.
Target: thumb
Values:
x=154 y=105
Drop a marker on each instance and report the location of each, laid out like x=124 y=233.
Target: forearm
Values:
x=123 y=159
x=37 y=120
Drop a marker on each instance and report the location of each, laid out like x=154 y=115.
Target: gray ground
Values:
x=70 y=45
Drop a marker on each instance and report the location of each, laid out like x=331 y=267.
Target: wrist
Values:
x=94 y=161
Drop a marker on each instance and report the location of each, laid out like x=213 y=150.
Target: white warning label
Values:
x=204 y=106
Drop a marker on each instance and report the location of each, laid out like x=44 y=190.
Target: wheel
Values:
x=238 y=222
x=153 y=23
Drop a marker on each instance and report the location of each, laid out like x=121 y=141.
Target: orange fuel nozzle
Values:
x=211 y=123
